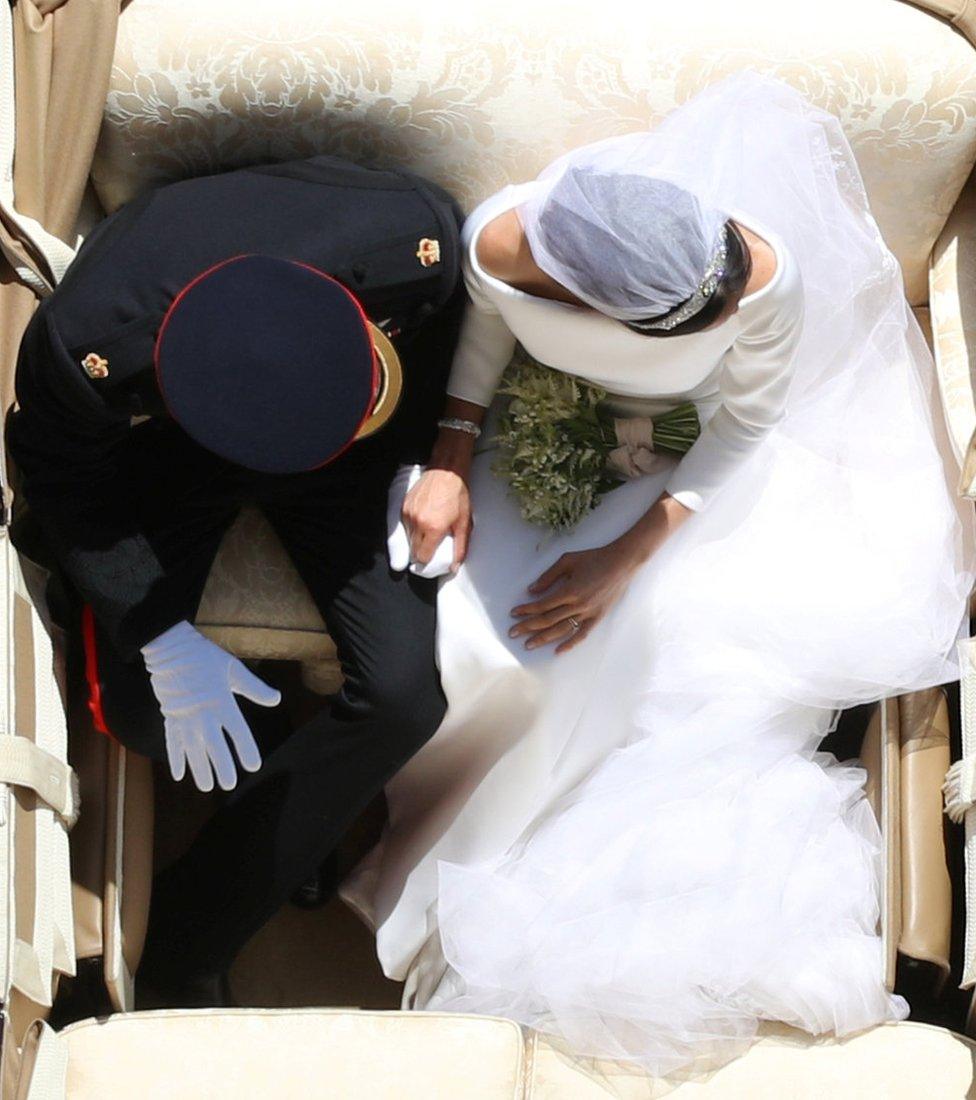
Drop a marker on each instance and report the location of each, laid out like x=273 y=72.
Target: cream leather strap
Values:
x=24 y=764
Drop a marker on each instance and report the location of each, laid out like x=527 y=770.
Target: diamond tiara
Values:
x=696 y=303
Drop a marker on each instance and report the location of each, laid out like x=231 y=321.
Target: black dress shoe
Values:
x=158 y=990
x=321 y=888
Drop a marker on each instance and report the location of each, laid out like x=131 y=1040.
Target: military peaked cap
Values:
x=273 y=365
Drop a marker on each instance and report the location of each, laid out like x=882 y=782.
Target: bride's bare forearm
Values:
x=454 y=449
x=662 y=519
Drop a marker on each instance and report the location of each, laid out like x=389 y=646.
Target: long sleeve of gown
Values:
x=485 y=347
x=753 y=384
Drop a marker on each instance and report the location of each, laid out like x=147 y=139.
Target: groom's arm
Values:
x=66 y=444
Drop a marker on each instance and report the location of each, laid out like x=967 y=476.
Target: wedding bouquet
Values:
x=561 y=451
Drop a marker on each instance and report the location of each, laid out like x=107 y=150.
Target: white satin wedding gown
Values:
x=636 y=846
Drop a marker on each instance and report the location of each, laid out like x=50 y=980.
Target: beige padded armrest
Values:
x=952 y=300
x=111 y=855
x=905 y=753
x=926 y=890
x=128 y=871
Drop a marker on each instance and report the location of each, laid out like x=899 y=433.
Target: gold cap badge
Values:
x=95 y=366
x=429 y=252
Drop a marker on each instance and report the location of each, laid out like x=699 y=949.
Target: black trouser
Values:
x=282 y=821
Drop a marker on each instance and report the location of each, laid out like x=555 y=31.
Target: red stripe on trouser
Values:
x=91 y=672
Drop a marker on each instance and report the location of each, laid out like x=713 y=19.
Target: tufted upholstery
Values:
x=476 y=96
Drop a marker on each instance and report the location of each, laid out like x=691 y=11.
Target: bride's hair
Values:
x=738 y=268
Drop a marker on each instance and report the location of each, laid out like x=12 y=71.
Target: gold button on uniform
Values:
x=429 y=252
x=95 y=366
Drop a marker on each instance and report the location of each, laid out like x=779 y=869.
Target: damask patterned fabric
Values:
x=255 y=604
x=477 y=96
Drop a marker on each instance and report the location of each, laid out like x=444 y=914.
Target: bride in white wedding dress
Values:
x=624 y=835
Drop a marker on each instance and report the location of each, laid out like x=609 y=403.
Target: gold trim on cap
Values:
x=391 y=383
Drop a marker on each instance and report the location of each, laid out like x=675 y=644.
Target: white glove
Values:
x=398 y=541
x=195 y=682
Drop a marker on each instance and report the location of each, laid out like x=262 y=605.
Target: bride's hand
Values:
x=582 y=587
x=437 y=506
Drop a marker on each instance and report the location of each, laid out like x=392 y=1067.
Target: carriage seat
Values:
x=252 y=1054
x=257 y=606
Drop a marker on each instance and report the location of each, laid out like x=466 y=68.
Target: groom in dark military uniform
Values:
x=229 y=340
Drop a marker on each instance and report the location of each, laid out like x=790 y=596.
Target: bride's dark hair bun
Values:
x=738 y=268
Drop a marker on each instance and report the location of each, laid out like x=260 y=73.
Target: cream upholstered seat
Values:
x=256 y=605
x=294 y=1055
x=476 y=96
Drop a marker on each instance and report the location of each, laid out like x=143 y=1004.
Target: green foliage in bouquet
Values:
x=555 y=439
x=553 y=445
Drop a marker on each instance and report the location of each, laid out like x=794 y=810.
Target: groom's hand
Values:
x=437 y=506
x=195 y=682
x=398 y=539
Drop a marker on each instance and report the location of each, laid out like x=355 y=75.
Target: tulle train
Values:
x=679 y=896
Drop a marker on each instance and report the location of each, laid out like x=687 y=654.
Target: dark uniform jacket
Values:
x=363 y=227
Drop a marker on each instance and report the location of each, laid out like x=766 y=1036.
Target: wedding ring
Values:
x=574 y=623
